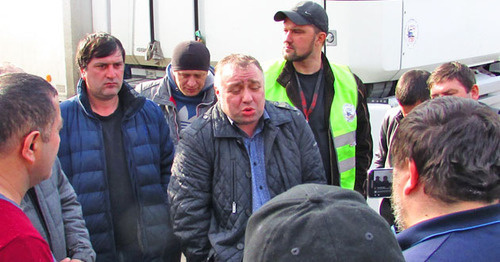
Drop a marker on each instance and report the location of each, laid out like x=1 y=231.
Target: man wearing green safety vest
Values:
x=332 y=99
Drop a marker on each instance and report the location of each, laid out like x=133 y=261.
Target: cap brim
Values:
x=294 y=16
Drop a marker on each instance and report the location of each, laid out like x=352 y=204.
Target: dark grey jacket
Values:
x=68 y=236
x=211 y=187
x=387 y=131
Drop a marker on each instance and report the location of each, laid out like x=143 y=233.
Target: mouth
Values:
x=112 y=84
x=288 y=48
x=247 y=111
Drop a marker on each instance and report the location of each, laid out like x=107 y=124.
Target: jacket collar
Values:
x=446 y=224
x=163 y=95
x=131 y=101
x=288 y=71
x=287 y=80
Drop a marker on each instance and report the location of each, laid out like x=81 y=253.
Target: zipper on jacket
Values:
x=233 y=169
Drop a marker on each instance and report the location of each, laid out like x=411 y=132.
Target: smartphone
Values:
x=380 y=182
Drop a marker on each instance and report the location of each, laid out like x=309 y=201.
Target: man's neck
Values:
x=310 y=65
x=104 y=107
x=13 y=186
x=248 y=129
x=434 y=208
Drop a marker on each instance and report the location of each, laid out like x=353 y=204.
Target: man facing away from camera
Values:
x=54 y=211
x=229 y=162
x=411 y=90
x=332 y=99
x=446 y=182
x=317 y=223
x=30 y=121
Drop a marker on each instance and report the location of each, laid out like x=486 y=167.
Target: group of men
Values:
x=413 y=88
x=242 y=136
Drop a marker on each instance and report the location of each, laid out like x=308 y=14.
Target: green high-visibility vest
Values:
x=343 y=118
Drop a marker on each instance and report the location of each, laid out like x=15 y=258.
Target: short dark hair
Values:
x=455 y=144
x=97 y=45
x=25 y=105
x=450 y=71
x=412 y=87
x=236 y=59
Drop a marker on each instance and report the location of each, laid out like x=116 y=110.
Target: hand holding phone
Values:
x=380 y=182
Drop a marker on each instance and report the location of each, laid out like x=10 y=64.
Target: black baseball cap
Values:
x=306 y=13
x=312 y=222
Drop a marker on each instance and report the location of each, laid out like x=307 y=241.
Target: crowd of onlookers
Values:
x=245 y=163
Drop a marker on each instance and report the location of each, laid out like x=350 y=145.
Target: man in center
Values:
x=233 y=159
x=332 y=99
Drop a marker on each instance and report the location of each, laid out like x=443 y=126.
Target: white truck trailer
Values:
x=378 y=39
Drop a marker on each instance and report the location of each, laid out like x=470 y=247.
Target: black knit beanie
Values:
x=191 y=55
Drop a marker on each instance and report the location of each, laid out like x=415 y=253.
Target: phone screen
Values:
x=380 y=182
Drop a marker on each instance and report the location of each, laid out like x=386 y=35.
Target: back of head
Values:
x=97 y=45
x=450 y=71
x=7 y=67
x=191 y=55
x=412 y=87
x=312 y=222
x=455 y=145
x=25 y=105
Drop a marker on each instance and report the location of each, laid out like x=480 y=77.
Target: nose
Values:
x=191 y=81
x=287 y=37
x=111 y=72
x=246 y=96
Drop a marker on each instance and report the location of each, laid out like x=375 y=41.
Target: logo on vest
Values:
x=349 y=112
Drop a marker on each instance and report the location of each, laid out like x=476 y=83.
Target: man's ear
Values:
x=83 y=74
x=30 y=145
x=321 y=38
x=474 y=92
x=412 y=183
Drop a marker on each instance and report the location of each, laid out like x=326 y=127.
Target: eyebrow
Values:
x=112 y=63
x=253 y=81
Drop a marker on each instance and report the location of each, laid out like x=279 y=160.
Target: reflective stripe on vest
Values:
x=343 y=118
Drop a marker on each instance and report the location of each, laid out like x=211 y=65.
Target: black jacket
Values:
x=210 y=191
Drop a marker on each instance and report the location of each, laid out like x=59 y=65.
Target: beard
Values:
x=294 y=57
x=398 y=211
